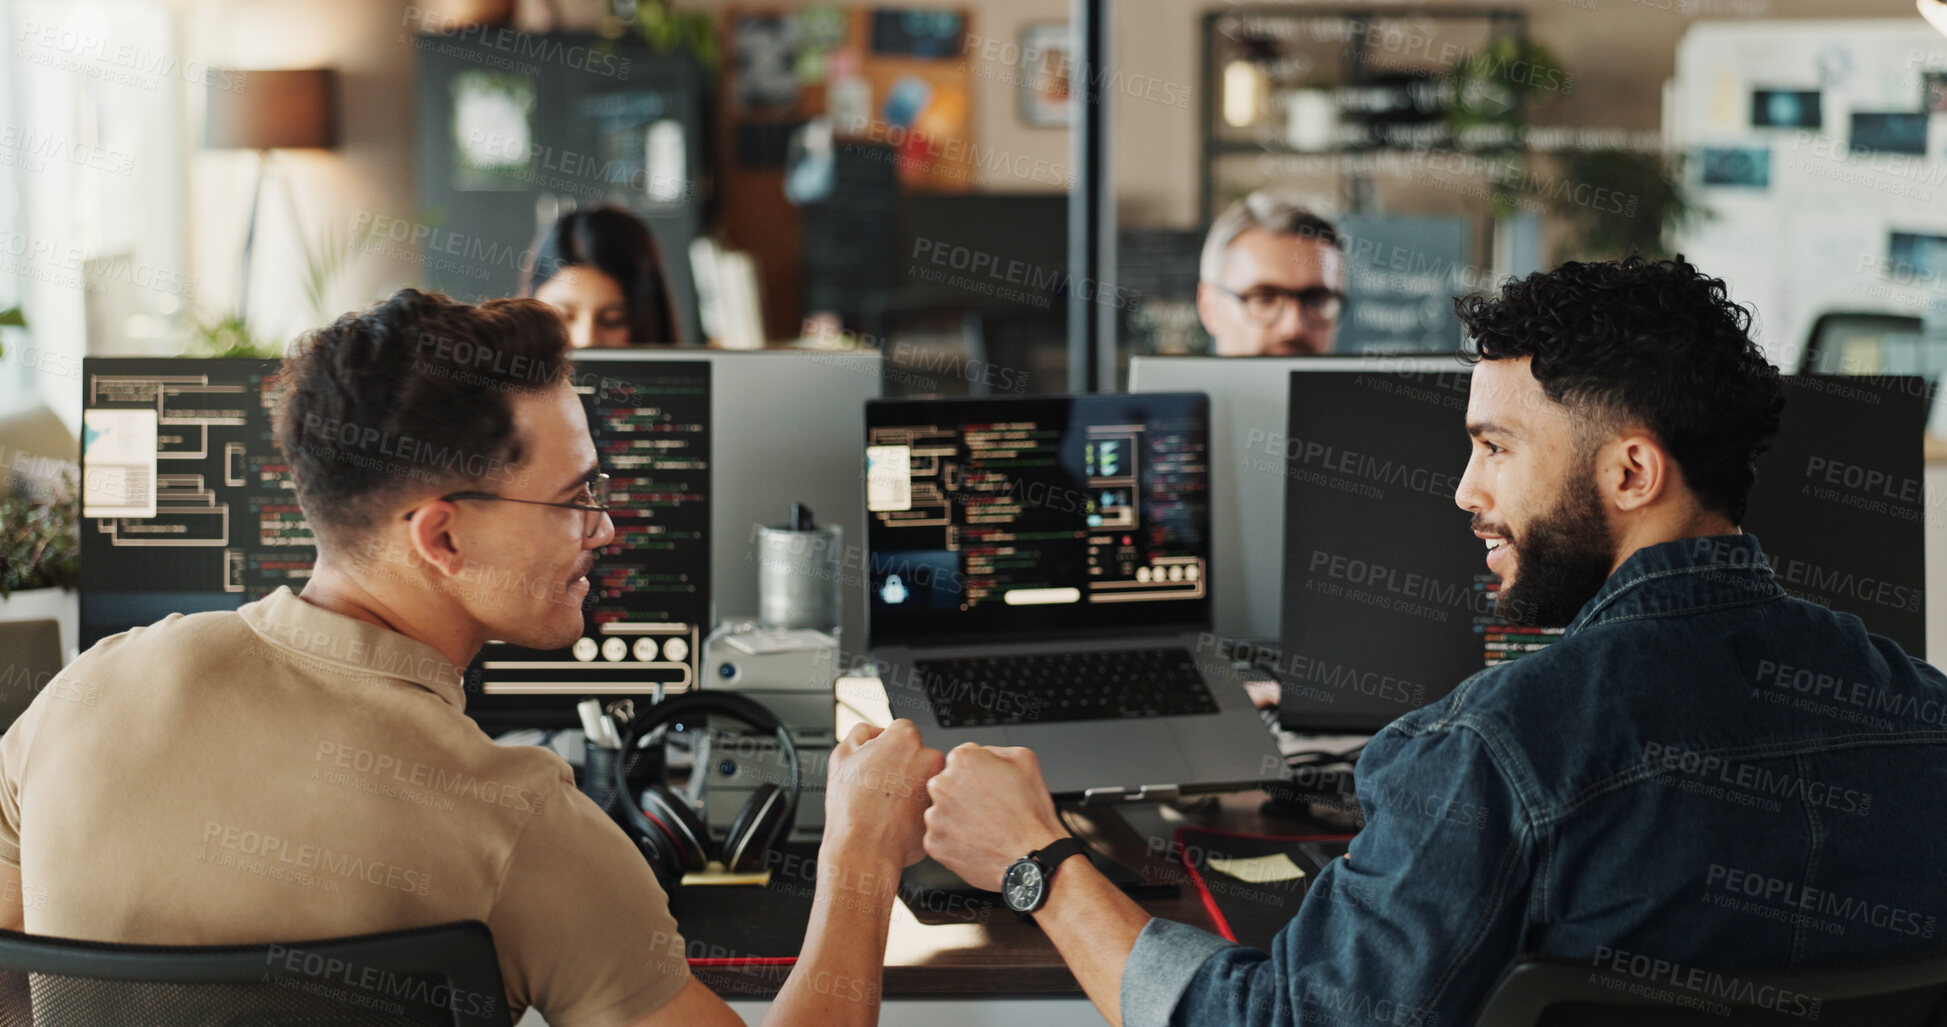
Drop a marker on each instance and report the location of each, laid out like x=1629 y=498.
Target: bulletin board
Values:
x=892 y=76
x=1820 y=148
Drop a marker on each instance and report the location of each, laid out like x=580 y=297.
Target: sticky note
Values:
x=1259 y=869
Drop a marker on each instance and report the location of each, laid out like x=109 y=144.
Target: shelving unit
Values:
x=1371 y=81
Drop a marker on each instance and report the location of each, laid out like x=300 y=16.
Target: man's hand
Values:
x=875 y=797
x=990 y=808
x=875 y=791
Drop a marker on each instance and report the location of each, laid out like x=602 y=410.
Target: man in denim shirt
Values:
x=1647 y=793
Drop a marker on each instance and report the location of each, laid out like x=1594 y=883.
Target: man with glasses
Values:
x=1272 y=279
x=303 y=767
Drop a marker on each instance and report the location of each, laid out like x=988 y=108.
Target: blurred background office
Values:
x=209 y=177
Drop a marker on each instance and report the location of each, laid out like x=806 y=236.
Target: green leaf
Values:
x=231 y=336
x=40 y=539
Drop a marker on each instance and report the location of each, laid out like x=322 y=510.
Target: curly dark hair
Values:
x=411 y=396
x=1650 y=342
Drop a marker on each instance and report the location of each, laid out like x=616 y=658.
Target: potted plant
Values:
x=1646 y=204
x=40 y=557
x=10 y=318
x=1492 y=90
x=669 y=29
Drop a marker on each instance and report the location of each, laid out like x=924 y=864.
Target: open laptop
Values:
x=1038 y=570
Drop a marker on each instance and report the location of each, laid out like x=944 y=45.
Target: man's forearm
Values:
x=13 y=899
x=839 y=970
x=1094 y=925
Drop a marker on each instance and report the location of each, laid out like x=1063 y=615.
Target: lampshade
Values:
x=270 y=110
x=1935 y=11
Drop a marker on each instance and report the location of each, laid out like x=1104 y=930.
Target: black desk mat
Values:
x=728 y=925
x=1247 y=912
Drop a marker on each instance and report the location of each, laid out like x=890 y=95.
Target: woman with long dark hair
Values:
x=601 y=268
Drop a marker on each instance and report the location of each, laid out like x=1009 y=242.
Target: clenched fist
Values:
x=990 y=808
x=875 y=791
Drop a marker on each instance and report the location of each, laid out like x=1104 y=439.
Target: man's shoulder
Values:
x=1550 y=718
x=179 y=645
x=174 y=629
x=1514 y=695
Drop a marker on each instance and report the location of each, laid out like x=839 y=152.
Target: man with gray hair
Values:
x=1272 y=279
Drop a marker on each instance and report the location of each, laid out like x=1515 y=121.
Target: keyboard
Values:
x=1041 y=688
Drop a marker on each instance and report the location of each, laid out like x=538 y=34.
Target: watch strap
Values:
x=1052 y=855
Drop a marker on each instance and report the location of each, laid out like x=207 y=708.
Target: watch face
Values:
x=1021 y=887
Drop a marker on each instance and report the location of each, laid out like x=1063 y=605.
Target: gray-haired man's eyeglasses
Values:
x=1264 y=304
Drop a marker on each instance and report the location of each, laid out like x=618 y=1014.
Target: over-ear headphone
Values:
x=668 y=831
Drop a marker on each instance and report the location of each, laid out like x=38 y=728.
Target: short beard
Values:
x=1565 y=556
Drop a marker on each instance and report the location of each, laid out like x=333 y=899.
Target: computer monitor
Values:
x=787 y=425
x=189 y=506
x=1036 y=516
x=1247 y=472
x=783 y=426
x=708 y=442
x=1387 y=600
x=984 y=249
x=186 y=502
x=648 y=606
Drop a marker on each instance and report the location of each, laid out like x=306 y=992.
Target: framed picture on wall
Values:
x=1046 y=60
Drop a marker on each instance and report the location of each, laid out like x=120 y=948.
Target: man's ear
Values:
x=1635 y=472
x=1207 y=308
x=430 y=537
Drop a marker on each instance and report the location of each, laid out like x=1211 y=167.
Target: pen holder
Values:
x=798 y=580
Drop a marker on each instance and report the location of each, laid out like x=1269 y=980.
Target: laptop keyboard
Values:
x=1040 y=688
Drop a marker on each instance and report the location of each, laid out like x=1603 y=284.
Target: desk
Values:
x=1001 y=956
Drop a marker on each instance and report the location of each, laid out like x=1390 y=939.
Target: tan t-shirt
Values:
x=284 y=773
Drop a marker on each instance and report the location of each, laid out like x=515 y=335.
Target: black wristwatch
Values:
x=1024 y=887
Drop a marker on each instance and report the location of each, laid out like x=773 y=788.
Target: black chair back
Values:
x=443 y=976
x=1899 y=991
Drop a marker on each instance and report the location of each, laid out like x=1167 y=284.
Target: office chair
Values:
x=33 y=657
x=1898 y=991
x=444 y=975
x=1840 y=339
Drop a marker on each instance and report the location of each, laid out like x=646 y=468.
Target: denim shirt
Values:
x=1703 y=773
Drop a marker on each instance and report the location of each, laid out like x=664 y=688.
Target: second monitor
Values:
x=701 y=445
x=1388 y=603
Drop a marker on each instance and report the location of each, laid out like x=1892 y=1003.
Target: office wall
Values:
x=369 y=174
x=1620 y=52
x=1815 y=234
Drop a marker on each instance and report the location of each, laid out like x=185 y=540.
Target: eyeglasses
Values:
x=594 y=504
x=1264 y=304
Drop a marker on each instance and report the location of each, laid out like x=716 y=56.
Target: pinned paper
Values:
x=120 y=450
x=1259 y=869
